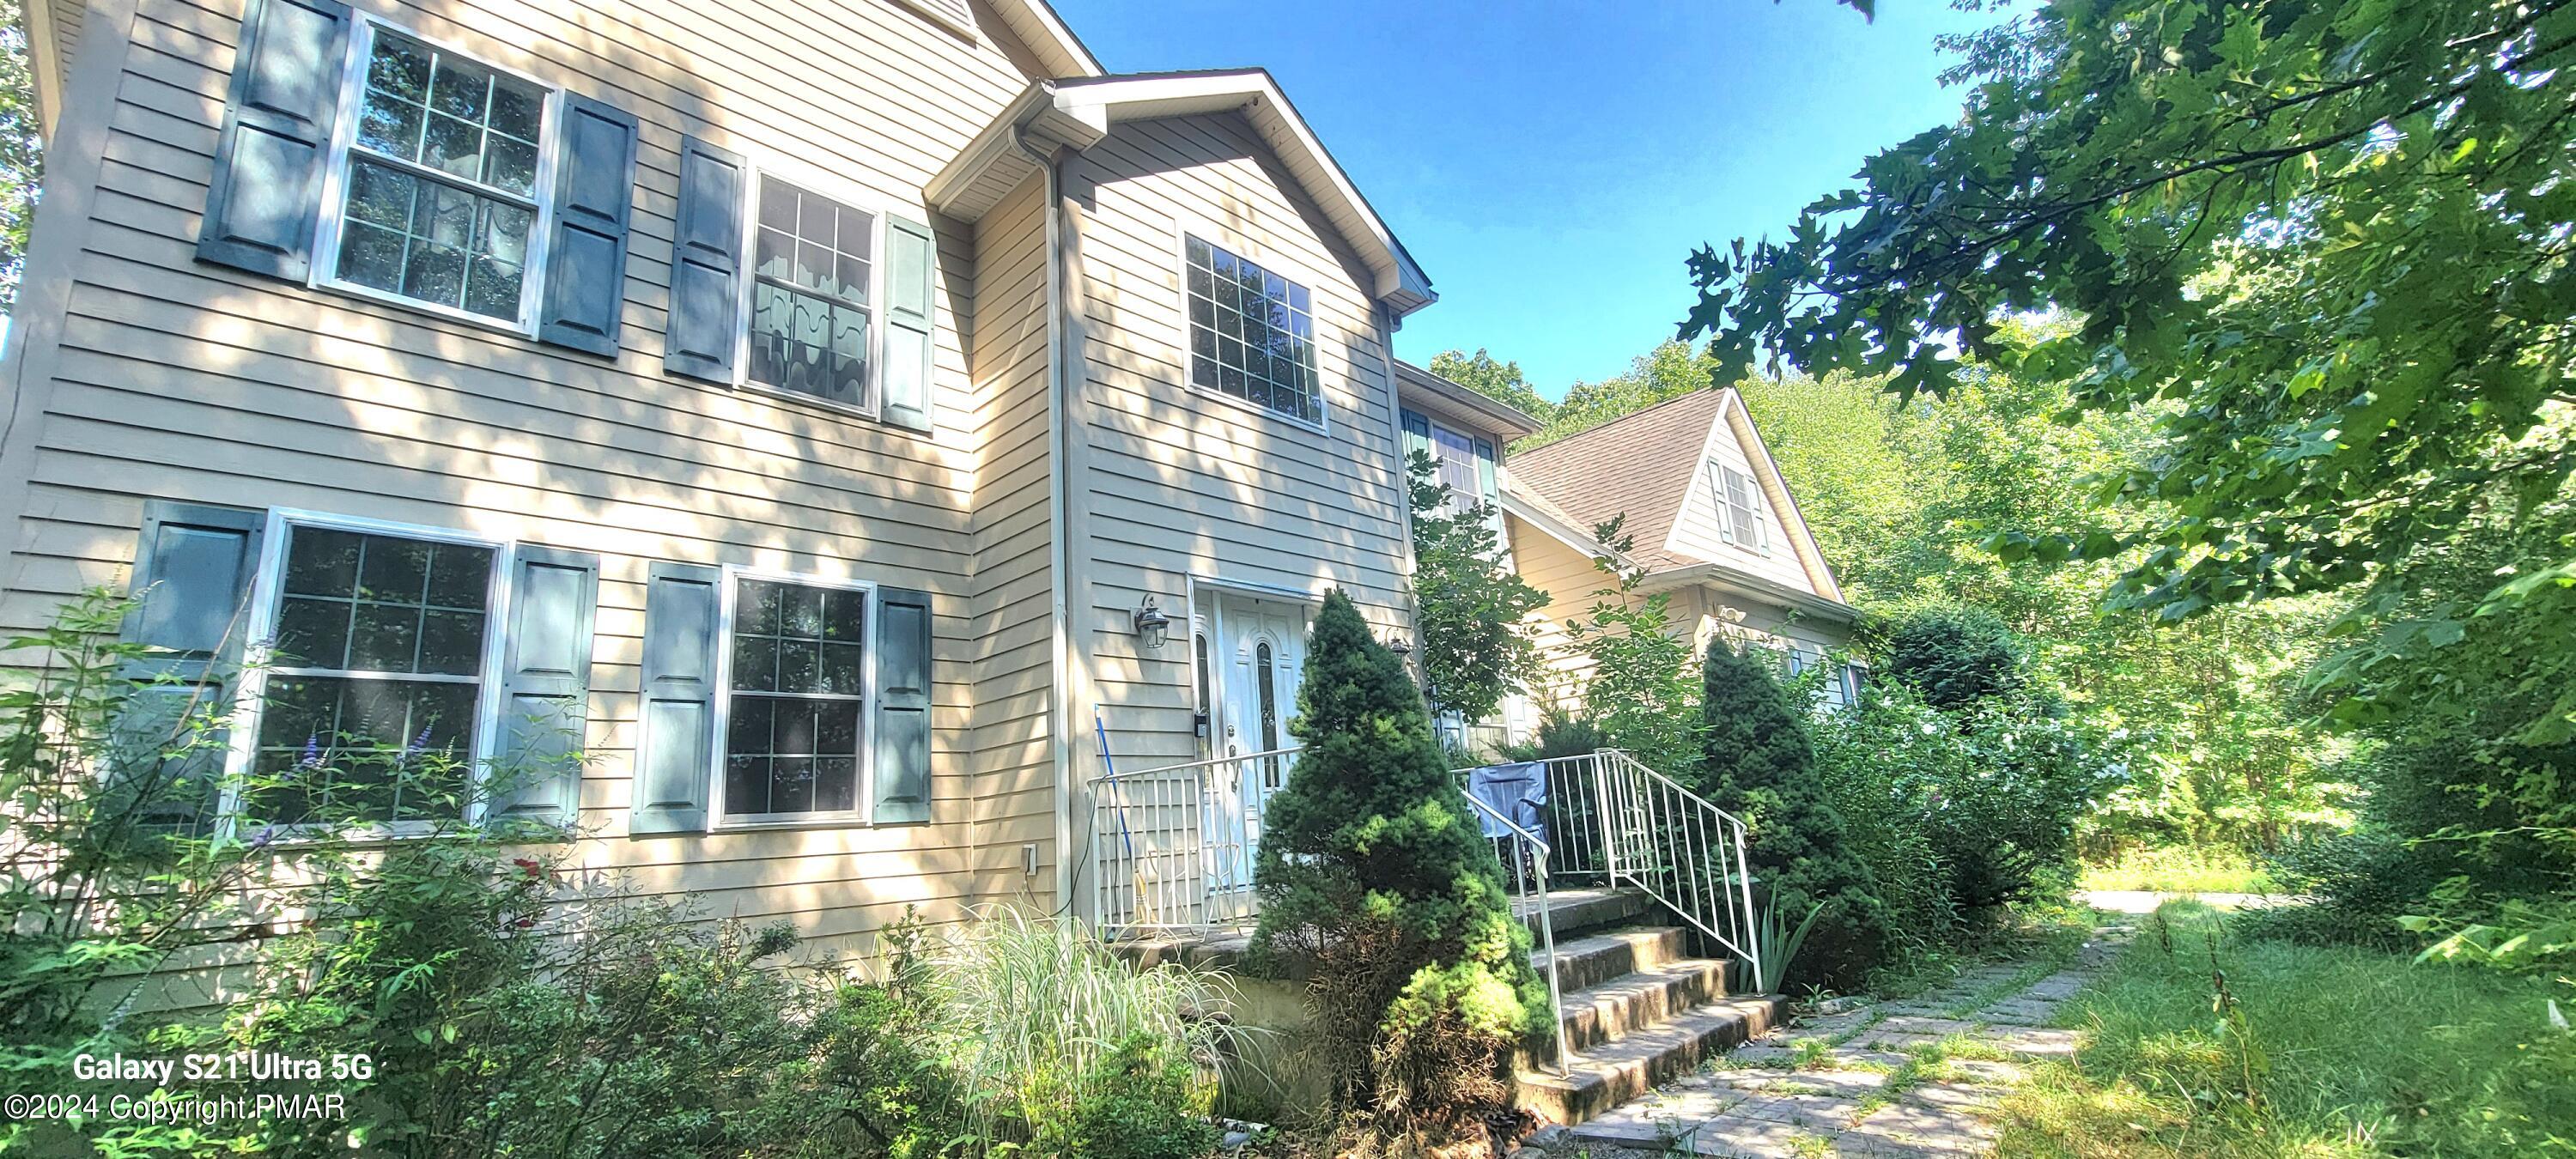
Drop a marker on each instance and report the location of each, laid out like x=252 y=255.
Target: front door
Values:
x=1259 y=654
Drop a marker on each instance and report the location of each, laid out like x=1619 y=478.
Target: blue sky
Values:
x=1551 y=164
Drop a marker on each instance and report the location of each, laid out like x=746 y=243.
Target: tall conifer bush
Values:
x=1758 y=763
x=1376 y=886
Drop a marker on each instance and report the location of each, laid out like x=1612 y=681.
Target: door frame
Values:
x=1216 y=589
x=1210 y=616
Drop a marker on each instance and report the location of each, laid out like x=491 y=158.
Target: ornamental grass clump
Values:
x=1376 y=886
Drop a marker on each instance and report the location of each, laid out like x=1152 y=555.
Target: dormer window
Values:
x=1740 y=516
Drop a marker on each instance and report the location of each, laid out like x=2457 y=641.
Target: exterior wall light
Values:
x=1153 y=628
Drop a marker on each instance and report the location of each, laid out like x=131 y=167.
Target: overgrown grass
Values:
x=2328 y=1051
x=2181 y=869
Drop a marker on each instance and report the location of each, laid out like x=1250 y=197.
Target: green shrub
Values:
x=1956 y=656
x=1759 y=765
x=1875 y=762
x=1145 y=1101
x=1376 y=886
x=1036 y=1021
x=1561 y=734
x=2004 y=822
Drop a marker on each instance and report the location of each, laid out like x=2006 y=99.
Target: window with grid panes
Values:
x=1252 y=333
x=810 y=314
x=377 y=664
x=797 y=700
x=439 y=194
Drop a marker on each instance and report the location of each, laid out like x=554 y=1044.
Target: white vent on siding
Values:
x=953 y=13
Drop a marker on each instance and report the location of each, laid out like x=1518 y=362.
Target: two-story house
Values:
x=1706 y=514
x=857 y=422
x=1705 y=518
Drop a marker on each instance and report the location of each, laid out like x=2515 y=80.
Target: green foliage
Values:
x=1955 y=657
x=2318 y=244
x=1780 y=944
x=1499 y=381
x=1050 y=1040
x=1878 y=765
x=1146 y=1101
x=2180 y=869
x=1903 y=495
x=1468 y=606
x=1376 y=886
x=1561 y=734
x=1666 y=373
x=1642 y=691
x=2360 y=1053
x=21 y=157
x=1759 y=765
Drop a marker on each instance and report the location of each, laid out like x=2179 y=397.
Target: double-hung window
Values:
x=1740 y=514
x=1455 y=456
x=376 y=678
x=1252 y=333
x=796 y=699
x=813 y=269
x=441 y=177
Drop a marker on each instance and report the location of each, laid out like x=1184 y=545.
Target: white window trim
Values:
x=865 y=813
x=1717 y=474
x=747 y=253
x=1478 y=496
x=243 y=742
x=324 y=269
x=1288 y=268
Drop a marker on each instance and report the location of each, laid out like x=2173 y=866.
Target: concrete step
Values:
x=1624 y=1068
x=1611 y=1010
x=1576 y=912
x=1588 y=961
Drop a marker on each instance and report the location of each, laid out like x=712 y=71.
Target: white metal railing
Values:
x=1173 y=845
x=1525 y=857
x=1673 y=844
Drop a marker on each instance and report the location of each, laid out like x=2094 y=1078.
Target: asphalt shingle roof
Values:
x=1639 y=465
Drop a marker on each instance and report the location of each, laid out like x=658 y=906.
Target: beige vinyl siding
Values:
x=1571 y=583
x=1695 y=533
x=1012 y=609
x=191 y=382
x=1180 y=483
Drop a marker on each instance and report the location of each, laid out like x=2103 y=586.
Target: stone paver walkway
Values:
x=1904 y=1078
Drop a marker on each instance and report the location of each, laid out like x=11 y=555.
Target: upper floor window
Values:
x=813 y=265
x=441 y=196
x=1252 y=334
x=1740 y=514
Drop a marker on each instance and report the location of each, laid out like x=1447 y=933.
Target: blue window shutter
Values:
x=545 y=686
x=586 y=254
x=706 y=263
x=674 y=752
x=911 y=258
x=902 y=775
x=267 y=189
x=193 y=571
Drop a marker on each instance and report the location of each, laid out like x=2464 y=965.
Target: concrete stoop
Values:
x=1638 y=1010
